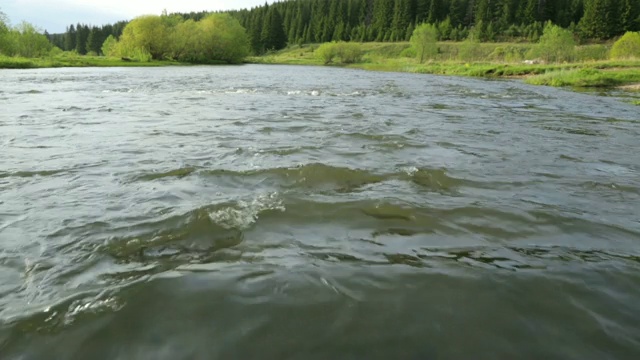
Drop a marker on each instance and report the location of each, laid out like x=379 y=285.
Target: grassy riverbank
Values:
x=73 y=61
x=590 y=67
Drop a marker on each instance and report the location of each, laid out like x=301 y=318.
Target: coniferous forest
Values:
x=272 y=27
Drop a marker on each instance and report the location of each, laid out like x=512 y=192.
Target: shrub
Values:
x=470 y=49
x=326 y=52
x=556 y=45
x=627 y=47
x=424 y=40
x=348 y=53
x=591 y=52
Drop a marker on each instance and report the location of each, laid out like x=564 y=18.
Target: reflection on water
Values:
x=309 y=213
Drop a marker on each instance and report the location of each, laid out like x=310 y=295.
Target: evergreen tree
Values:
x=94 y=40
x=82 y=35
x=70 y=39
x=273 y=36
x=595 y=22
x=383 y=16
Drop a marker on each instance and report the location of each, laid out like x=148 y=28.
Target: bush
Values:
x=348 y=53
x=326 y=52
x=627 y=47
x=423 y=41
x=470 y=50
x=556 y=45
x=591 y=53
x=110 y=46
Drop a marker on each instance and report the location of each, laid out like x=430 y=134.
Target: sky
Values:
x=55 y=15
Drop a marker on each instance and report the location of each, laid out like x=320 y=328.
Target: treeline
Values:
x=316 y=21
x=22 y=40
x=85 y=39
x=215 y=38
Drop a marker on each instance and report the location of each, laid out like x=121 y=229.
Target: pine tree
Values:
x=82 y=34
x=273 y=36
x=595 y=22
x=70 y=38
x=432 y=18
x=383 y=16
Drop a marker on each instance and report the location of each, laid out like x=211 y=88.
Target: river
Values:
x=279 y=212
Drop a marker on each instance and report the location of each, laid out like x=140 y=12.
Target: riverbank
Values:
x=75 y=61
x=489 y=60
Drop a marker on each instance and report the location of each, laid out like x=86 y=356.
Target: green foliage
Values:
x=145 y=34
x=627 y=47
x=223 y=39
x=109 y=47
x=273 y=36
x=591 y=53
x=326 y=52
x=586 y=78
x=423 y=41
x=507 y=54
x=348 y=53
x=470 y=50
x=23 y=40
x=215 y=38
x=555 y=45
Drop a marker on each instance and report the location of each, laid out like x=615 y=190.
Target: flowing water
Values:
x=275 y=212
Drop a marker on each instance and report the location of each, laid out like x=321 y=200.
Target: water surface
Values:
x=280 y=212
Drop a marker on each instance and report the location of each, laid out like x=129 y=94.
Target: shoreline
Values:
x=605 y=74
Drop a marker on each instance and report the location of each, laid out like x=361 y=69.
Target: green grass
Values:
x=493 y=60
x=73 y=61
x=590 y=69
x=587 y=77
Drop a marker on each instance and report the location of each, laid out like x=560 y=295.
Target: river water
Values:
x=276 y=212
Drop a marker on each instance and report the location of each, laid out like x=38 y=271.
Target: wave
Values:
x=195 y=234
x=177 y=173
x=325 y=177
x=28 y=174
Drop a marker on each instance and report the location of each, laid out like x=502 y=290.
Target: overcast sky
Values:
x=55 y=15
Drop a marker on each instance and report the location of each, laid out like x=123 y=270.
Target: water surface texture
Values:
x=276 y=212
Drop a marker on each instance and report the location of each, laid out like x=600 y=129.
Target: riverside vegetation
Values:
x=558 y=61
x=545 y=54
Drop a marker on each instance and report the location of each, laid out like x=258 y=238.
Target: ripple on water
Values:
x=297 y=208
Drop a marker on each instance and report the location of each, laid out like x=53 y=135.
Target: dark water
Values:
x=268 y=212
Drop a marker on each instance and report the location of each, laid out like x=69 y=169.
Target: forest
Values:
x=272 y=27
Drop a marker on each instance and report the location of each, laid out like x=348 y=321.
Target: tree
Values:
x=223 y=39
x=148 y=34
x=110 y=46
x=4 y=34
x=598 y=19
x=4 y=23
x=556 y=44
x=82 y=35
x=423 y=41
x=273 y=36
x=627 y=47
x=29 y=41
x=94 y=42
x=70 y=39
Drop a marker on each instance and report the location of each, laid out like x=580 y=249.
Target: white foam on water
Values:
x=245 y=214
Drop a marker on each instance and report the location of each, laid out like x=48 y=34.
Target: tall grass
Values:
x=586 y=77
x=72 y=60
